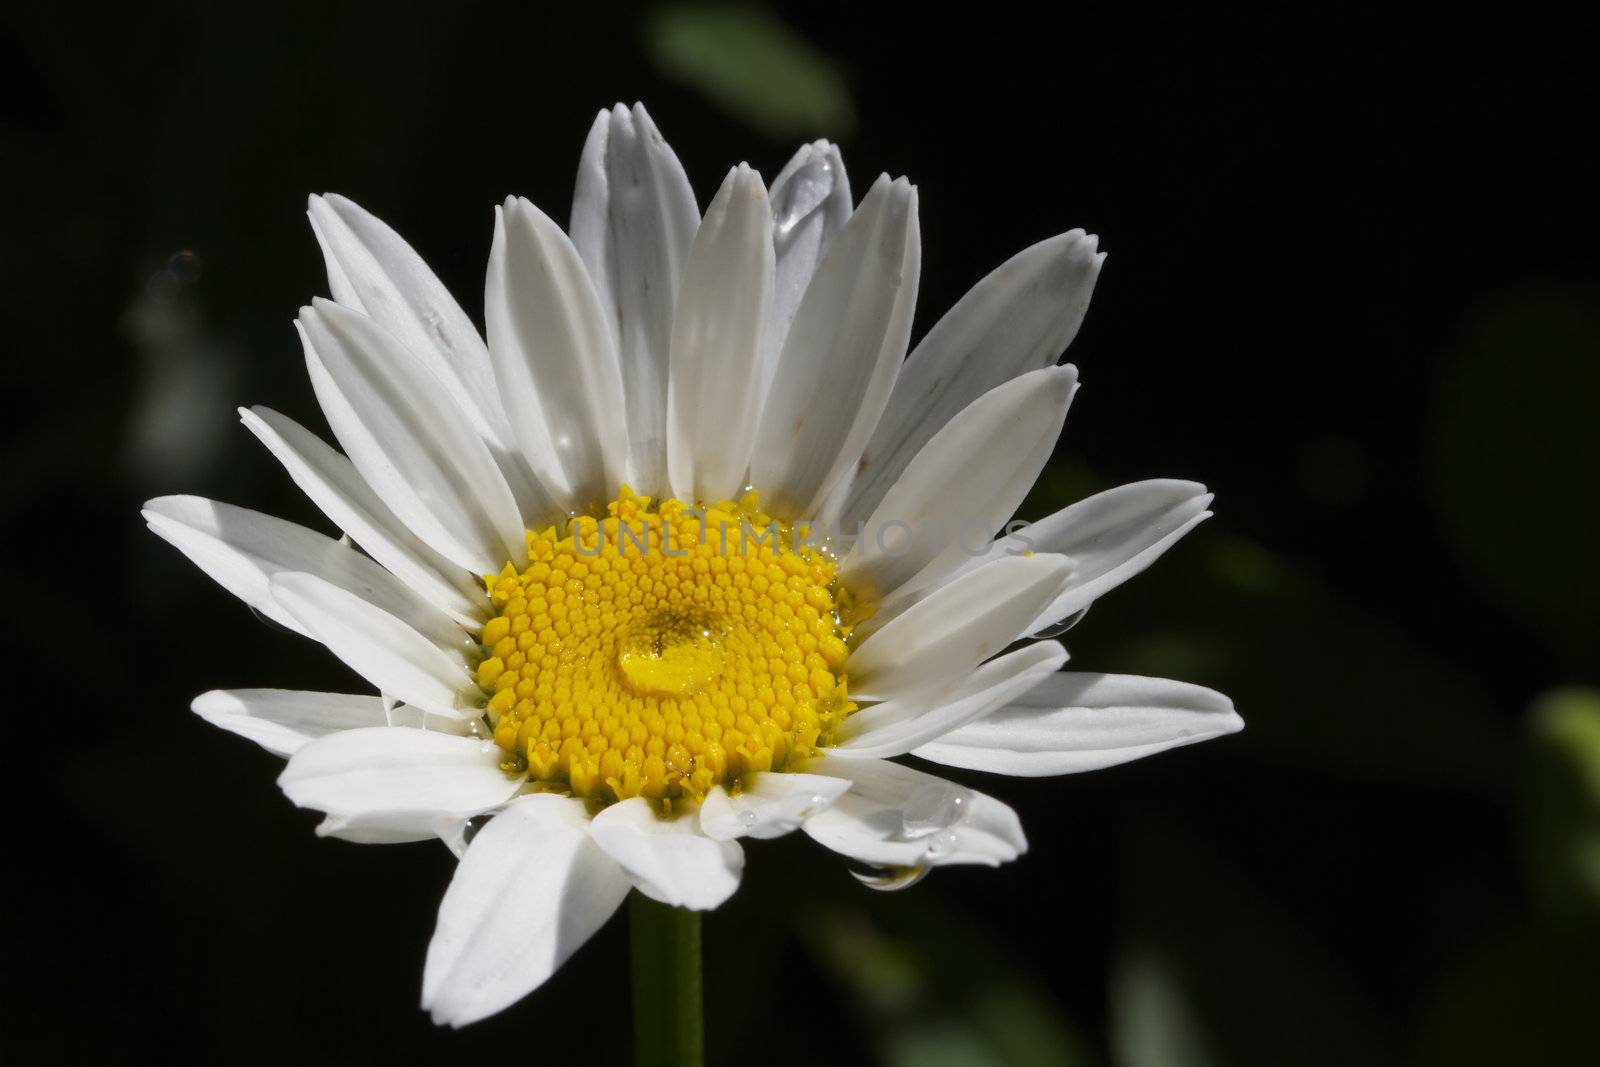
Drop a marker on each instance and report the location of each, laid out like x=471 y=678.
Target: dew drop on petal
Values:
x=1059 y=628
x=470 y=828
x=935 y=807
x=942 y=843
x=813 y=804
x=886 y=879
x=435 y=324
x=747 y=818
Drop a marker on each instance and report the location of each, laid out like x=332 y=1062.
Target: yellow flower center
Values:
x=663 y=650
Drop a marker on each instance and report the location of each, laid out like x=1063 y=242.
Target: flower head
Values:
x=683 y=551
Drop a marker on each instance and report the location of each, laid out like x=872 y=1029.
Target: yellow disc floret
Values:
x=663 y=650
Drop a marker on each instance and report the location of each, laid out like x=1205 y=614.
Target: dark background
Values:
x=1352 y=287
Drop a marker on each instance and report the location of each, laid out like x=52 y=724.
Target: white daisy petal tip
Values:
x=1075 y=722
x=842 y=353
x=811 y=203
x=386 y=780
x=554 y=357
x=242 y=550
x=1018 y=318
x=531 y=888
x=283 y=721
x=813 y=181
x=634 y=217
x=718 y=326
x=1114 y=536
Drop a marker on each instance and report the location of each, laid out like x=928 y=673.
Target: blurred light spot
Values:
x=185 y=376
x=1561 y=804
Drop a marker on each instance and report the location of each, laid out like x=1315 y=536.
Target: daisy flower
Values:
x=683 y=550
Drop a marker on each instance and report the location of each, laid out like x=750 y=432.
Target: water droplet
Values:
x=747 y=818
x=944 y=841
x=435 y=324
x=1059 y=628
x=672 y=653
x=934 y=807
x=470 y=828
x=886 y=879
x=813 y=804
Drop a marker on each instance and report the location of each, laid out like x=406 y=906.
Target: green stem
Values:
x=667 y=1027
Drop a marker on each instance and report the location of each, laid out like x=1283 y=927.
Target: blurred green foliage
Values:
x=753 y=66
x=1528 y=995
x=1561 y=806
x=935 y=993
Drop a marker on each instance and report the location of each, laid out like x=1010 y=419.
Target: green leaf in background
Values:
x=1528 y=996
x=1561 y=806
x=750 y=64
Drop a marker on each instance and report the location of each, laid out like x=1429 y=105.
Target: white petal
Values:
x=669 y=859
x=1082 y=722
x=1110 y=537
x=633 y=218
x=243 y=549
x=771 y=805
x=359 y=832
x=283 y=721
x=395 y=780
x=842 y=354
x=713 y=401
x=530 y=890
x=964 y=484
x=895 y=727
x=1019 y=318
x=957 y=627
x=810 y=205
x=894 y=816
x=373 y=270
x=334 y=485
x=410 y=441
x=554 y=358
x=385 y=651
